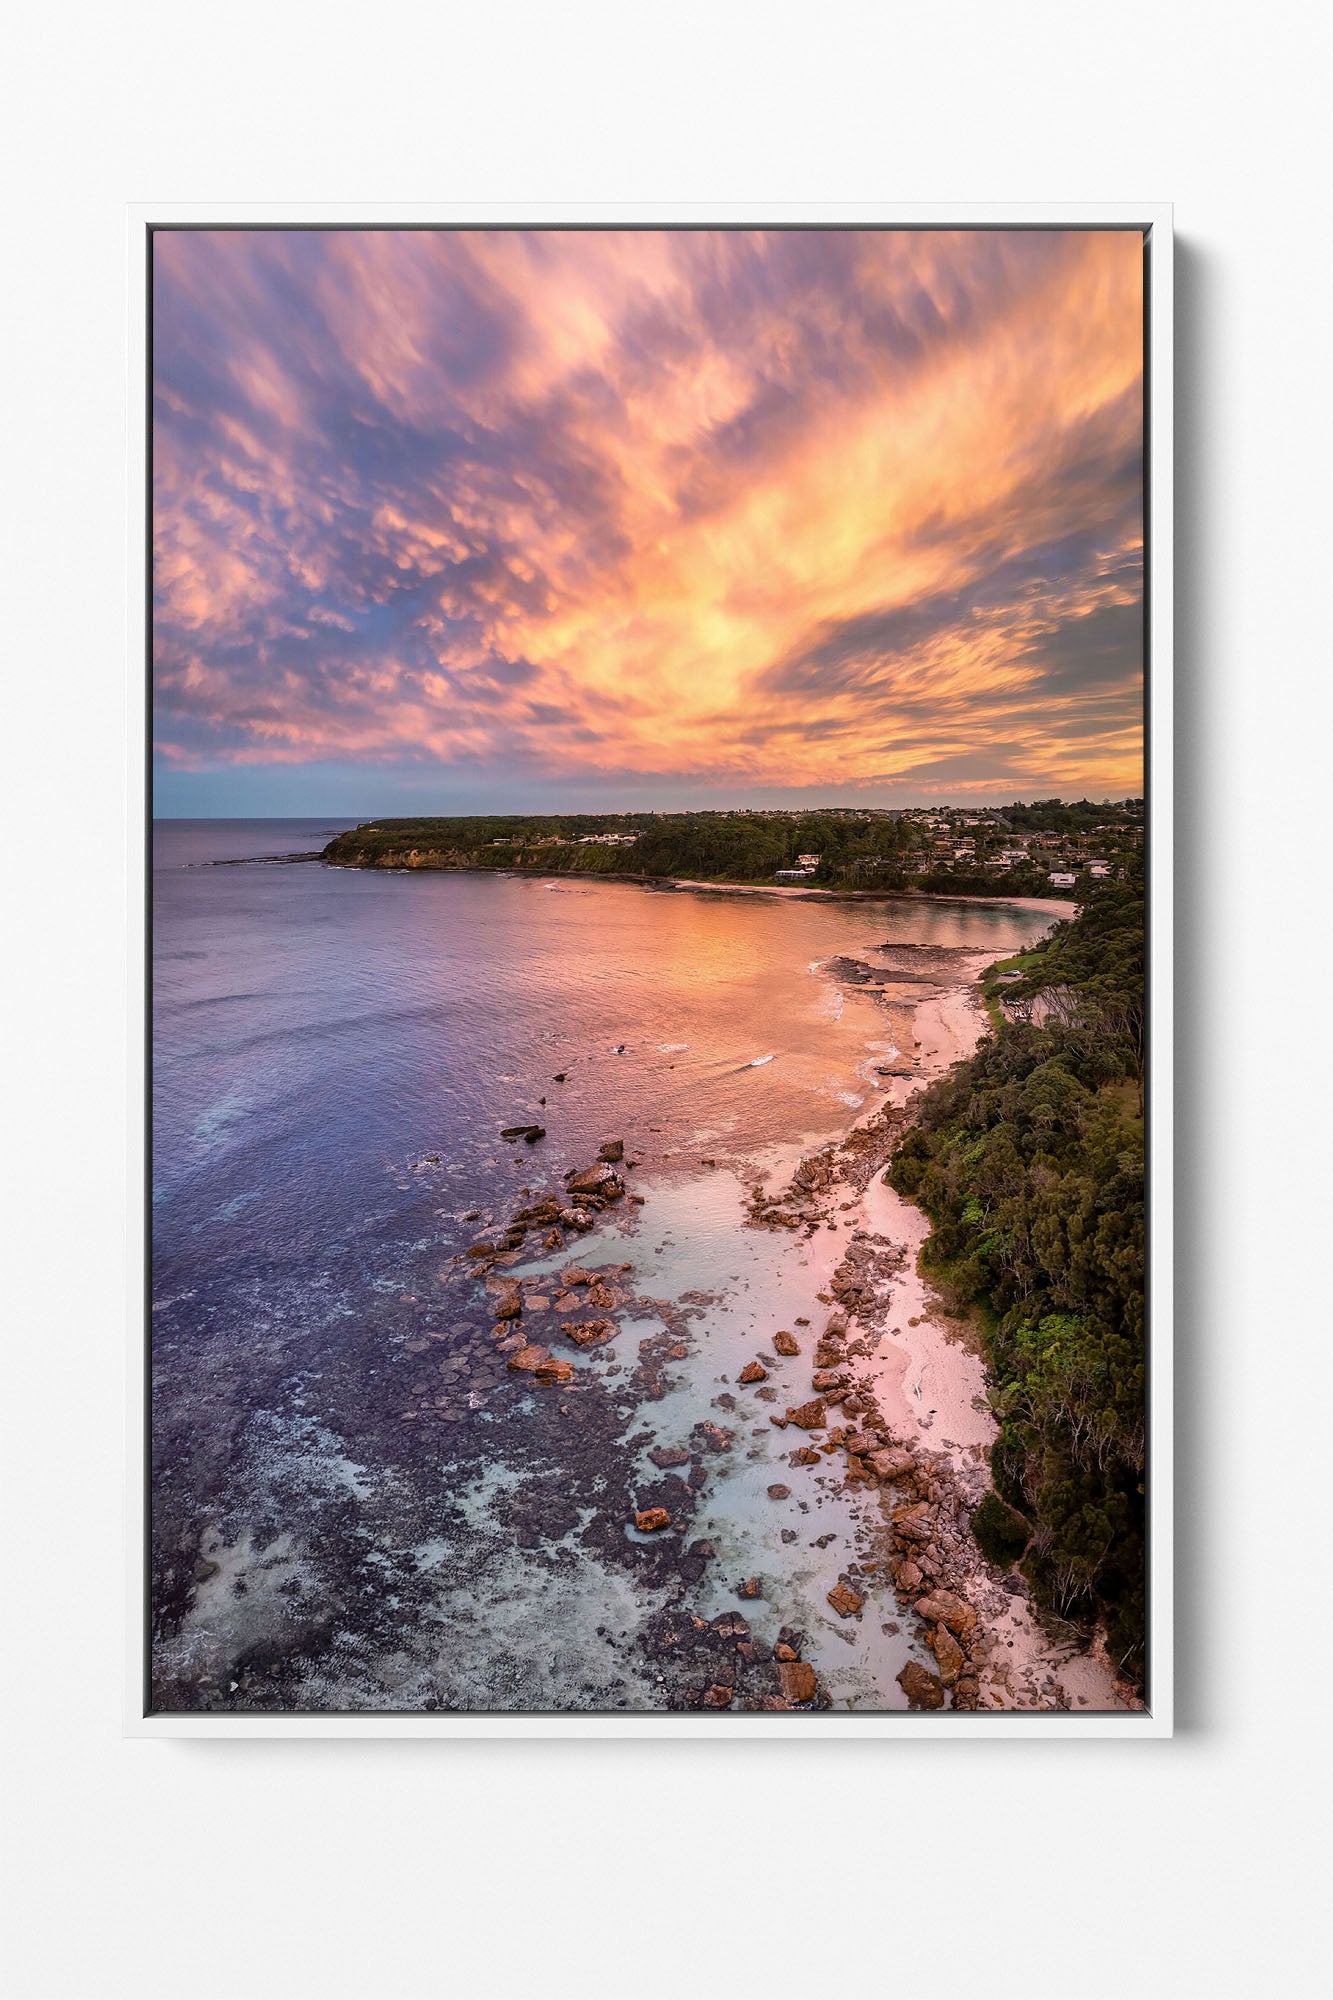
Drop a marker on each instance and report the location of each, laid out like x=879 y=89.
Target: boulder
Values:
x=509 y=1305
x=782 y=1651
x=948 y=1653
x=828 y=1378
x=845 y=1600
x=892 y=1463
x=797 y=1679
x=861 y=1442
x=717 y=1697
x=779 y=1492
x=753 y=1371
x=554 y=1369
x=907 y=1576
x=666 y=1456
x=599 y=1179
x=527 y=1360
x=921 y=1687
x=786 y=1343
x=809 y=1416
x=651 y=1520
x=611 y=1150
x=944 y=1607
x=589 y=1332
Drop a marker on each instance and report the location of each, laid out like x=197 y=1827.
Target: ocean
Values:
x=356 y=1505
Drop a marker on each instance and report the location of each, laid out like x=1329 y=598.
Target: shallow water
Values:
x=334 y=1055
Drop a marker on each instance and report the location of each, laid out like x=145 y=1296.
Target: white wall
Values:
x=1181 y=1869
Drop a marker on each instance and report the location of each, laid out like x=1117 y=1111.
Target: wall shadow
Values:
x=1197 y=968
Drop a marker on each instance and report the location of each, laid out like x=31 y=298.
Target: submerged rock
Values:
x=845 y=1600
x=589 y=1332
x=527 y=1360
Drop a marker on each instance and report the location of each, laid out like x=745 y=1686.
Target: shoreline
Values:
x=918 y=1384
x=670 y=884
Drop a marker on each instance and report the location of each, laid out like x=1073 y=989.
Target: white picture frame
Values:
x=1155 y=1720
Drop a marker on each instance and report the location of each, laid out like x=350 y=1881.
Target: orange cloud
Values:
x=796 y=508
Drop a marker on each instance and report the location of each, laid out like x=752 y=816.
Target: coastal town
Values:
x=1046 y=848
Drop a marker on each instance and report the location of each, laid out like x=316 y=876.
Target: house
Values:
x=793 y=875
x=1059 y=880
x=807 y=861
x=1099 y=870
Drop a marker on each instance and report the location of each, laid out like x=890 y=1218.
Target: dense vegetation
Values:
x=854 y=849
x=1028 y=1160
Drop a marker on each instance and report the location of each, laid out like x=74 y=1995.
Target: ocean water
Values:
x=355 y=1504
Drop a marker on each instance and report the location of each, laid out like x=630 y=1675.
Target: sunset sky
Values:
x=466 y=521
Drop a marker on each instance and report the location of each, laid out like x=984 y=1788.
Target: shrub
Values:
x=1000 y=1533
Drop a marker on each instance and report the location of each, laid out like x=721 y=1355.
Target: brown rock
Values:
x=753 y=1371
x=786 y=1343
x=809 y=1416
x=797 y=1679
x=589 y=1332
x=750 y=1586
x=845 y=1601
x=805 y=1456
x=782 y=1651
x=554 y=1370
x=509 y=1305
x=717 y=1697
x=944 y=1607
x=651 y=1520
x=922 y=1688
x=948 y=1653
x=893 y=1463
x=907 y=1576
x=666 y=1456
x=828 y=1378
x=527 y=1360
x=612 y=1150
x=599 y=1179
x=861 y=1442
x=779 y=1492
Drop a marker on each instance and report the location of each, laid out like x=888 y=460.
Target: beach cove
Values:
x=359 y=1501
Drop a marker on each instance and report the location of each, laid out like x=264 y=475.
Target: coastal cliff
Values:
x=844 y=851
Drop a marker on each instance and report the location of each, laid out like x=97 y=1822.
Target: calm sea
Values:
x=334 y=1055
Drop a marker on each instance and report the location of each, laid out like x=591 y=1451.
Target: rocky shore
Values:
x=883 y=1344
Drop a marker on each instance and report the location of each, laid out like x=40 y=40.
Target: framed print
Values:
x=656 y=978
